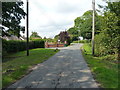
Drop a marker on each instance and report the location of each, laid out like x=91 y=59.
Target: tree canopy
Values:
x=84 y=24
x=12 y=13
x=35 y=35
x=73 y=33
x=107 y=28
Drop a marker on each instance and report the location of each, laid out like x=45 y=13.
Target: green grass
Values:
x=17 y=65
x=104 y=71
x=81 y=41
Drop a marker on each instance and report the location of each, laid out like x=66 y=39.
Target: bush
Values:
x=82 y=41
x=104 y=45
x=37 y=44
x=68 y=41
x=12 y=46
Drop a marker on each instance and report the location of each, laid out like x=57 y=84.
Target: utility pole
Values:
x=27 y=24
x=93 y=28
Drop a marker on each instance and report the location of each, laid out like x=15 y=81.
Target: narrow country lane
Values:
x=66 y=69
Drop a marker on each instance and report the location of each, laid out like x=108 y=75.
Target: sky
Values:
x=49 y=17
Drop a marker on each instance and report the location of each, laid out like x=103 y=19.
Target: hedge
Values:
x=12 y=46
x=82 y=41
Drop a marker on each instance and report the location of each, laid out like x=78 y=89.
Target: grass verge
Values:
x=81 y=41
x=17 y=65
x=104 y=71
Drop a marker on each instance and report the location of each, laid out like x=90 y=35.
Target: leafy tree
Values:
x=114 y=7
x=50 y=40
x=84 y=24
x=56 y=38
x=109 y=37
x=12 y=13
x=73 y=33
x=64 y=36
x=35 y=35
x=44 y=38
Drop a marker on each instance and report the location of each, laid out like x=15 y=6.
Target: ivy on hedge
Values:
x=12 y=46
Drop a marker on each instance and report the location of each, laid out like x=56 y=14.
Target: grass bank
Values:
x=81 y=41
x=17 y=65
x=104 y=71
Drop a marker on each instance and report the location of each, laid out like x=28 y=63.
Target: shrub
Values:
x=12 y=46
x=68 y=41
x=104 y=44
x=82 y=41
x=37 y=43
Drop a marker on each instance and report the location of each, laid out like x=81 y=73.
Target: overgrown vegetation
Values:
x=107 y=42
x=18 y=64
x=107 y=29
x=104 y=69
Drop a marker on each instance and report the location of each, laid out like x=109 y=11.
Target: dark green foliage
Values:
x=15 y=46
x=68 y=41
x=12 y=13
x=35 y=35
x=114 y=7
x=36 y=44
x=82 y=41
x=73 y=33
x=108 y=40
x=84 y=24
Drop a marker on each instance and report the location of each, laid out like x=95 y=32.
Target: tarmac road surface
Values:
x=66 y=69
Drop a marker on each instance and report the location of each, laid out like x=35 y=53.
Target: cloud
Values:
x=49 y=17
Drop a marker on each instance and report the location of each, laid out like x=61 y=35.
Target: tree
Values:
x=73 y=33
x=114 y=7
x=84 y=24
x=64 y=36
x=35 y=35
x=44 y=38
x=109 y=37
x=56 y=38
x=12 y=13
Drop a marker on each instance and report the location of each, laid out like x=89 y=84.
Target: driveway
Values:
x=66 y=69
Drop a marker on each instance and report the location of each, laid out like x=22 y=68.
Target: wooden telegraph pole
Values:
x=27 y=24
x=93 y=28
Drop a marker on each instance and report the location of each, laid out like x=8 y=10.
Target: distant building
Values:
x=36 y=38
x=12 y=37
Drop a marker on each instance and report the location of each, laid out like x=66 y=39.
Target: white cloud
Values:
x=49 y=17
